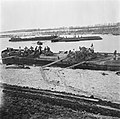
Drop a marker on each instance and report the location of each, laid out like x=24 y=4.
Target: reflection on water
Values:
x=109 y=43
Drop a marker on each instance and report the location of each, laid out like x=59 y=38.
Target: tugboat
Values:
x=39 y=43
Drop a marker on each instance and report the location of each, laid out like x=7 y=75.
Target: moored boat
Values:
x=39 y=43
x=29 y=57
x=73 y=39
x=16 y=39
x=83 y=59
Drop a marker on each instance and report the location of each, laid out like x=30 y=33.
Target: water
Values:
x=109 y=43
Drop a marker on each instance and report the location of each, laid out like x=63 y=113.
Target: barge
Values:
x=39 y=38
x=73 y=39
x=77 y=59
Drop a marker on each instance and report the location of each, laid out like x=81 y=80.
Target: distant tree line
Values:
x=110 y=28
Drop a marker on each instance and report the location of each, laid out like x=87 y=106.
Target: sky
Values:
x=25 y=14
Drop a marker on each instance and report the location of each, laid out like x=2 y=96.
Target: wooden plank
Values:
x=75 y=64
x=8 y=57
x=100 y=60
x=109 y=53
x=54 y=62
x=43 y=74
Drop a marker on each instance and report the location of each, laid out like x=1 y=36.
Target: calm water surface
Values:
x=109 y=43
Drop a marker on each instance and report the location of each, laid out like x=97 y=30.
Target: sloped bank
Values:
x=74 y=102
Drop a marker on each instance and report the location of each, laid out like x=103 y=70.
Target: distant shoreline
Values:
x=113 y=29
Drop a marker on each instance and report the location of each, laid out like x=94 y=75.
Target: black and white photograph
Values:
x=59 y=59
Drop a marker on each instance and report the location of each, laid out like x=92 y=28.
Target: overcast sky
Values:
x=21 y=14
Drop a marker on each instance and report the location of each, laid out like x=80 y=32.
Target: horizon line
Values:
x=21 y=30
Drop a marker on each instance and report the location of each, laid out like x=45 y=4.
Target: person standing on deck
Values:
x=25 y=51
x=19 y=52
x=48 y=49
x=115 y=54
x=40 y=49
x=92 y=48
x=31 y=49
